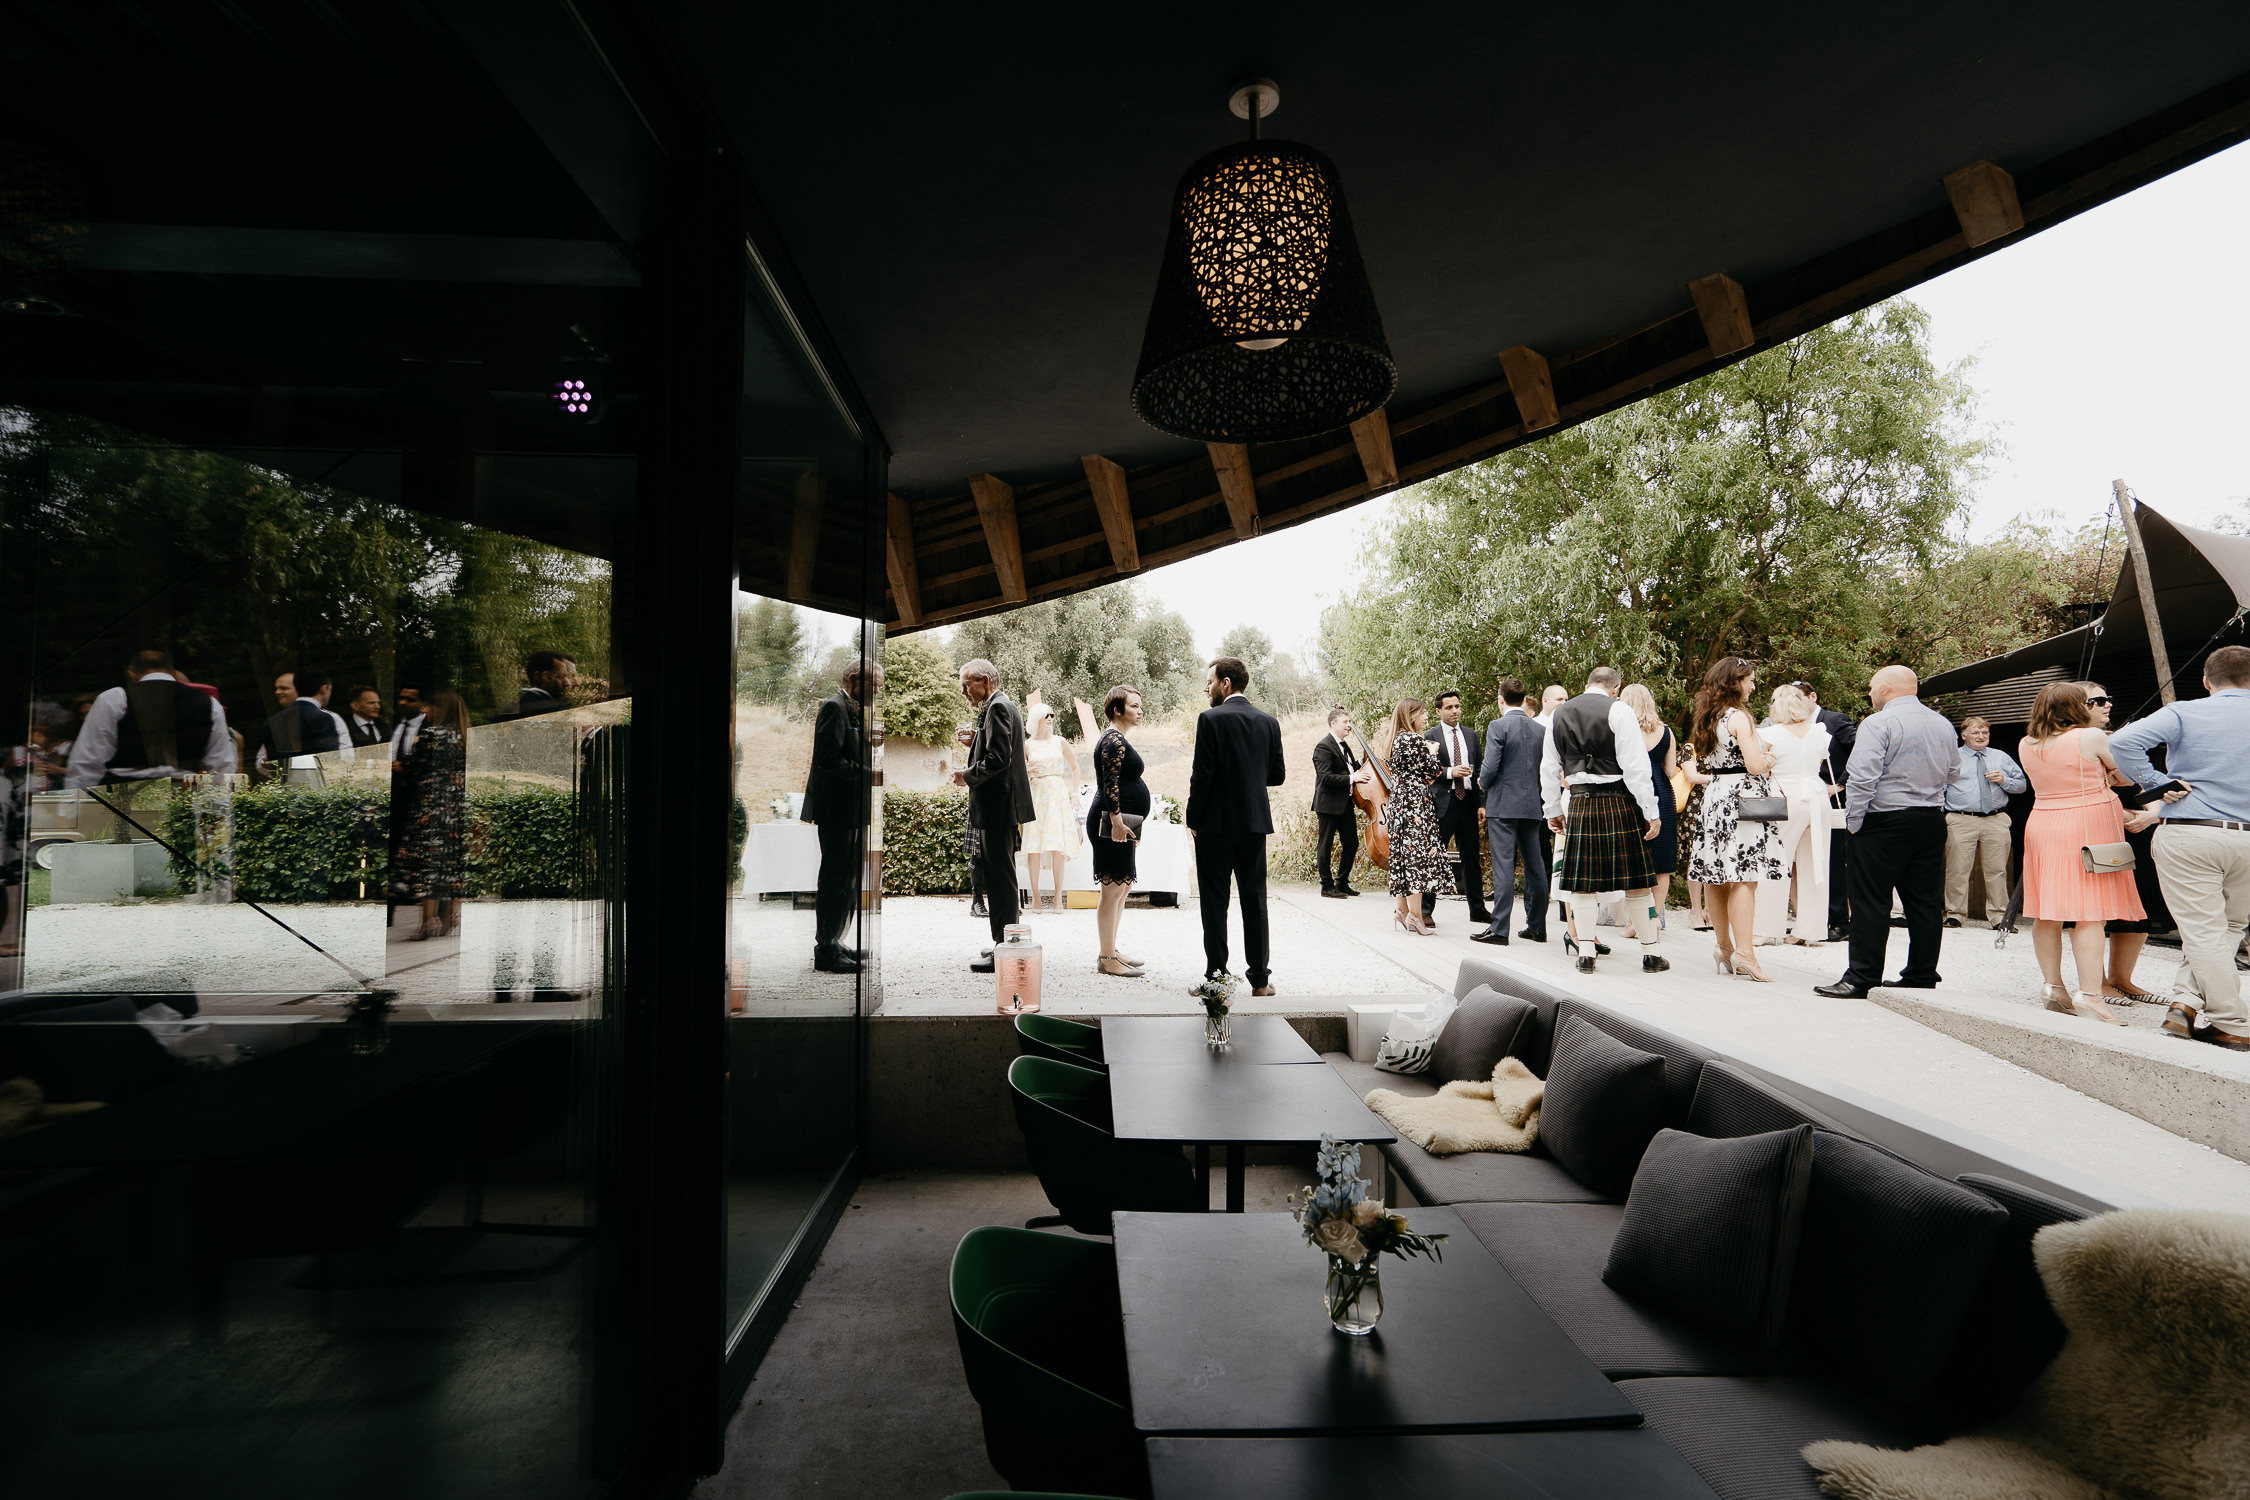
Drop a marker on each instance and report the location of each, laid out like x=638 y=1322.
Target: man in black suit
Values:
x=302 y=725
x=836 y=805
x=550 y=678
x=1841 y=733
x=1336 y=770
x=1455 y=798
x=363 y=718
x=1509 y=775
x=999 y=783
x=1237 y=756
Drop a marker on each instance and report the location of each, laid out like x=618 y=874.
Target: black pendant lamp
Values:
x=1263 y=327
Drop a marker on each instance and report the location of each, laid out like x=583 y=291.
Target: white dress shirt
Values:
x=1455 y=739
x=97 y=741
x=1632 y=755
x=403 y=737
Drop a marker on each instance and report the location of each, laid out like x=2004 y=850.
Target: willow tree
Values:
x=1761 y=511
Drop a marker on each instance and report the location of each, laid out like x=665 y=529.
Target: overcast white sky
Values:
x=2108 y=347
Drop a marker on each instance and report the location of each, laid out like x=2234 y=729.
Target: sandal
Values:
x=2118 y=994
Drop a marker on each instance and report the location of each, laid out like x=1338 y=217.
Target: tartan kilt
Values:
x=1605 y=844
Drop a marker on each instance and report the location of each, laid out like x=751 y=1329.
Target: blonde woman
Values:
x=1799 y=744
x=1053 y=835
x=1663 y=761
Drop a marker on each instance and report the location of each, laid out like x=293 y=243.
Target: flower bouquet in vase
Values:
x=1218 y=1014
x=1354 y=1232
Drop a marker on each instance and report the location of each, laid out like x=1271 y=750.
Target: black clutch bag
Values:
x=1762 y=809
x=1129 y=822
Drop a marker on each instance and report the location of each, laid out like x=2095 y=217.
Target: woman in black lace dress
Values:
x=433 y=849
x=1118 y=788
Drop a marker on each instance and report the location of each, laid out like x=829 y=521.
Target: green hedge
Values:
x=296 y=843
x=925 y=837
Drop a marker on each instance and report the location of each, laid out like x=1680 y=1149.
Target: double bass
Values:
x=1371 y=796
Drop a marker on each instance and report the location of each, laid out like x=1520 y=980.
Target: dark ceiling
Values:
x=977 y=195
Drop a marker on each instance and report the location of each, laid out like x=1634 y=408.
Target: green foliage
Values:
x=523 y=841
x=1083 y=646
x=925 y=843
x=769 y=650
x=1768 y=510
x=921 y=697
x=1250 y=646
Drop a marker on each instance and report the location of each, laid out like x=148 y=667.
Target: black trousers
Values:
x=1457 y=825
x=1334 y=826
x=1903 y=852
x=998 y=866
x=1510 y=837
x=833 y=898
x=1839 y=878
x=1241 y=859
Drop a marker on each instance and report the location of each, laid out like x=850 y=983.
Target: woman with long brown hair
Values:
x=1418 y=864
x=433 y=849
x=2072 y=770
x=1731 y=854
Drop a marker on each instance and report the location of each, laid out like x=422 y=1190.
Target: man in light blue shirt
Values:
x=2203 y=850
x=1976 y=820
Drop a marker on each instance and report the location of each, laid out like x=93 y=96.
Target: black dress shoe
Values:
x=982 y=965
x=835 y=963
x=1533 y=937
x=1952 y=921
x=1915 y=984
x=1349 y=891
x=1332 y=891
x=1841 y=990
x=1838 y=934
x=1489 y=936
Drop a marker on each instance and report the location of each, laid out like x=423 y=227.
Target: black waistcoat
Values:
x=1583 y=739
x=165 y=724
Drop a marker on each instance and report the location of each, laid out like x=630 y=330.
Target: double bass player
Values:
x=1336 y=773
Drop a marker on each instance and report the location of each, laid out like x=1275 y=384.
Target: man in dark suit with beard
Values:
x=1513 y=744
x=836 y=804
x=1841 y=733
x=1455 y=798
x=999 y=783
x=1237 y=756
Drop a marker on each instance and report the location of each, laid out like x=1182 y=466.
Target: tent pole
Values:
x=2145 y=585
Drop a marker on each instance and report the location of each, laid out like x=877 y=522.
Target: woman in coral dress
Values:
x=2071 y=769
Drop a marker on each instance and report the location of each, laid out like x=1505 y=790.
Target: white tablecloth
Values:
x=781 y=857
x=1161 y=863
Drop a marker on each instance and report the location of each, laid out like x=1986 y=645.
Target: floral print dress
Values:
x=1418 y=861
x=1725 y=850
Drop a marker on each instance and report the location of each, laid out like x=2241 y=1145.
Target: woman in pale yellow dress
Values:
x=1054 y=835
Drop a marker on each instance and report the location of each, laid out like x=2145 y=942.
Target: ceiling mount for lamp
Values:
x=1263 y=327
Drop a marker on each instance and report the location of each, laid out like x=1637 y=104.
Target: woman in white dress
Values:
x=1799 y=743
x=1053 y=836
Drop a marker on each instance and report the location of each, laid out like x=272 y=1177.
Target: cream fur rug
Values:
x=2148 y=1400
x=1502 y=1115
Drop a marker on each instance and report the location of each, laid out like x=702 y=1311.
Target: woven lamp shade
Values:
x=1263 y=327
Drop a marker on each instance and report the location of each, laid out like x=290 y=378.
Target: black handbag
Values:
x=1762 y=810
x=1131 y=822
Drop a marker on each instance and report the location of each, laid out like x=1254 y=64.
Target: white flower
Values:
x=1366 y=1212
x=1338 y=1238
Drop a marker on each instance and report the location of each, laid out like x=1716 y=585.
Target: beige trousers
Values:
x=1967 y=839
x=2206 y=875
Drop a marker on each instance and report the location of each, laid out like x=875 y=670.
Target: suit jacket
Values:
x=303 y=728
x=1510 y=773
x=1841 y=733
x=1237 y=756
x=531 y=703
x=999 y=778
x=378 y=734
x=1441 y=790
x=839 y=763
x=1332 y=776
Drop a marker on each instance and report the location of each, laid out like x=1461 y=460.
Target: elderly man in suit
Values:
x=1237 y=756
x=1512 y=818
x=836 y=805
x=1455 y=798
x=999 y=783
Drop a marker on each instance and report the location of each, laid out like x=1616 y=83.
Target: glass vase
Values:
x=1355 y=1295
x=1218 y=1027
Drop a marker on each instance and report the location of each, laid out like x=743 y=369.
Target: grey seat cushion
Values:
x=1604 y=1103
x=1536 y=1039
x=2011 y=1332
x=1710 y=1228
x=1683 y=1063
x=1556 y=1251
x=1742 y=1434
x=1481 y=1031
x=1729 y=1102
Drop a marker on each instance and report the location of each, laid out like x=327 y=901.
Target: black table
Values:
x=1225 y=1335
x=1179 y=1039
x=1209 y=1101
x=1548 y=1465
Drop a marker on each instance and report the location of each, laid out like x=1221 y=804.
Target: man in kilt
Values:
x=1594 y=759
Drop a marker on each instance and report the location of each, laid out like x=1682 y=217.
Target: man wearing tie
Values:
x=1976 y=820
x=1455 y=799
x=1335 y=772
x=1512 y=821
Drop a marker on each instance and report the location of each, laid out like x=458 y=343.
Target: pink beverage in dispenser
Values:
x=1015 y=972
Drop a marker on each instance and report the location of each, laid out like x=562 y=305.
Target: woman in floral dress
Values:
x=434 y=778
x=1418 y=863
x=1730 y=855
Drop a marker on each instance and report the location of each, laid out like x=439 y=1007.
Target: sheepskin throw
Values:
x=1502 y=1115
x=2148 y=1400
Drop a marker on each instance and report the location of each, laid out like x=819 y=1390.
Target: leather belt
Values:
x=2231 y=827
x=1998 y=812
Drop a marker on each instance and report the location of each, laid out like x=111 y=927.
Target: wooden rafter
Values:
x=1984 y=200
x=996 y=508
x=1371 y=434
x=1533 y=386
x=1111 y=501
x=804 y=533
x=1725 y=312
x=1237 y=485
x=899 y=562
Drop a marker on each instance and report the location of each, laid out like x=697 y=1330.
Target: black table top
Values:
x=1225 y=1334
x=1179 y=1039
x=1548 y=1465
x=1205 y=1102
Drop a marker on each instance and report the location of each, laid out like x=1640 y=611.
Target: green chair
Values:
x=1043 y=1345
x=1063 y=1041
x=1087 y=1172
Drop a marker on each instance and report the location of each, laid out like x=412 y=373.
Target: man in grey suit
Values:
x=1512 y=819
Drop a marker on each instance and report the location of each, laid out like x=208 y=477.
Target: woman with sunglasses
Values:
x=2128 y=938
x=2068 y=760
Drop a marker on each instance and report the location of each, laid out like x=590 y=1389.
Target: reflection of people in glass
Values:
x=1051 y=838
x=550 y=682
x=1118 y=788
x=999 y=795
x=432 y=853
x=153 y=728
x=303 y=724
x=835 y=801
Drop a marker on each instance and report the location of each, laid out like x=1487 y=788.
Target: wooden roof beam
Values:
x=1984 y=200
x=1725 y=311
x=1372 y=435
x=996 y=509
x=898 y=560
x=1107 y=481
x=1237 y=485
x=1533 y=386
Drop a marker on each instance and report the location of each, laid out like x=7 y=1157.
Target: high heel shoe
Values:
x=2055 y=998
x=1601 y=947
x=1724 y=961
x=1748 y=968
x=2091 y=1008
